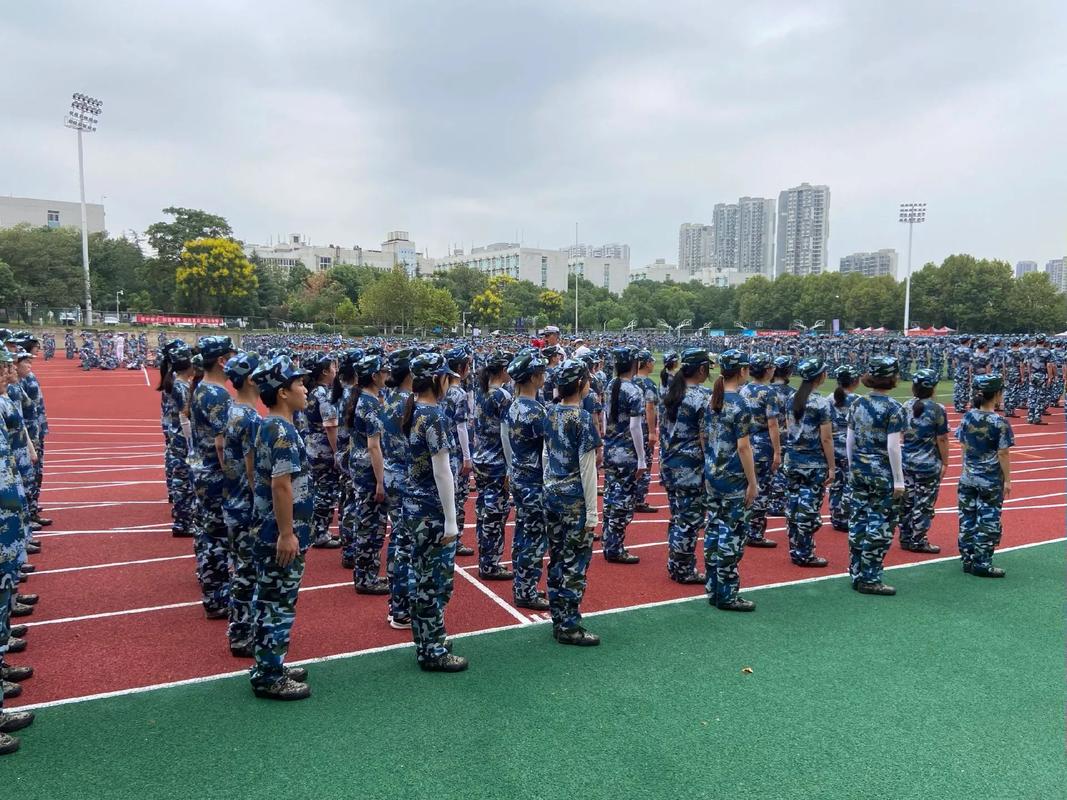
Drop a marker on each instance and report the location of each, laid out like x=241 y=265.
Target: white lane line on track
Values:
x=404 y=645
x=78 y=486
x=497 y=599
x=109 y=420
x=112 y=564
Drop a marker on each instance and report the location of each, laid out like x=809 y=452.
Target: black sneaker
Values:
x=8 y=744
x=283 y=689
x=400 y=622
x=537 y=603
x=34 y=542
x=645 y=508
x=815 y=562
x=577 y=636
x=216 y=613
x=27 y=599
x=34 y=527
x=15 y=644
x=181 y=533
x=27 y=569
x=841 y=527
x=445 y=663
x=11 y=721
x=464 y=550
x=380 y=586
x=242 y=650
x=298 y=674
x=348 y=562
x=966 y=568
x=737 y=604
x=691 y=578
x=329 y=543
x=921 y=547
x=9 y=672
x=987 y=572
x=17 y=630
x=766 y=543
x=32 y=549
x=42 y=521
x=622 y=558
x=875 y=588
x=21 y=610
x=11 y=689
x=497 y=573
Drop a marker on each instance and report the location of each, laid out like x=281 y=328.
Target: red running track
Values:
x=117 y=589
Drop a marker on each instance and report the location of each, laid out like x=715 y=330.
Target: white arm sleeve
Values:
x=464 y=440
x=505 y=442
x=850 y=444
x=639 y=441
x=896 y=460
x=587 y=465
x=446 y=488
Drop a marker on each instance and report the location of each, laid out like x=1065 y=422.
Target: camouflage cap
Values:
x=241 y=364
x=525 y=366
x=761 y=361
x=846 y=373
x=926 y=378
x=811 y=368
x=883 y=367
x=670 y=359
x=783 y=362
x=215 y=346
x=370 y=365
x=570 y=371
x=551 y=351
x=499 y=359
x=988 y=384
x=732 y=360
x=429 y=365
x=695 y=357
x=644 y=356
x=277 y=373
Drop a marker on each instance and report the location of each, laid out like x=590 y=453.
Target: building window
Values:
x=325 y=262
x=607 y=276
x=544 y=272
x=53 y=219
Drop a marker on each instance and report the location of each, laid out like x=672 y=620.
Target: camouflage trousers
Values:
x=804 y=512
x=1036 y=401
x=688 y=509
x=916 y=511
x=980 y=525
x=646 y=479
x=344 y=517
x=325 y=483
x=398 y=553
x=961 y=392
x=531 y=538
x=276 y=592
x=839 y=493
x=368 y=533
x=570 y=549
x=33 y=491
x=242 y=584
x=1014 y=396
x=180 y=488
x=757 y=512
x=776 y=494
x=492 y=508
x=620 y=496
x=463 y=490
x=724 y=544
x=211 y=542
x=1056 y=392
x=430 y=583
x=870 y=529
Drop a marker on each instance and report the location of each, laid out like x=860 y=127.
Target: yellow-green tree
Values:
x=551 y=303
x=487 y=306
x=212 y=274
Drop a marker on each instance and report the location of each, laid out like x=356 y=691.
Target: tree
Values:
x=389 y=300
x=1034 y=304
x=353 y=279
x=347 y=313
x=10 y=291
x=213 y=273
x=463 y=283
x=434 y=307
x=168 y=238
x=551 y=303
x=487 y=307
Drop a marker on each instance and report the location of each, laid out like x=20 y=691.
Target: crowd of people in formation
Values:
x=22 y=437
x=105 y=350
x=388 y=437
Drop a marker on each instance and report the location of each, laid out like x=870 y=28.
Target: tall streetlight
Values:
x=912 y=214
x=82 y=117
x=118 y=294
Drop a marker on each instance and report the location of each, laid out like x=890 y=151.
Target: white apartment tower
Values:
x=755 y=235
x=803 y=230
x=871 y=265
x=695 y=242
x=724 y=221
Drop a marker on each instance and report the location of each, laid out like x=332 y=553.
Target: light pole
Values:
x=120 y=292
x=911 y=213
x=82 y=117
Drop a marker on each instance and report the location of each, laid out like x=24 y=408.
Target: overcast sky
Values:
x=475 y=122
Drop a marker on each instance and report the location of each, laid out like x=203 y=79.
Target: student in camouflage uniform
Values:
x=961 y=375
x=986 y=479
x=553 y=354
x=343 y=393
x=646 y=362
x=238 y=467
x=809 y=462
x=36 y=420
x=69 y=345
x=176 y=374
x=457 y=412
x=571 y=444
x=925 y=453
x=431 y=507
x=282 y=512
x=876 y=424
x=490 y=468
x=730 y=478
x=682 y=463
x=1042 y=374
x=844 y=395
x=395 y=456
x=624 y=455
x=368 y=508
x=763 y=406
x=671 y=364
x=783 y=372
x=1013 y=370
x=523 y=437
x=209 y=411
x=321 y=441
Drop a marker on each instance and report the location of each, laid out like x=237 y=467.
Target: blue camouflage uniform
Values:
x=982 y=435
x=776 y=497
x=1037 y=399
x=961 y=389
x=526 y=433
x=840 y=499
x=340 y=462
x=456 y=404
x=922 y=470
x=69 y=345
x=367 y=516
x=1014 y=395
x=210 y=411
x=13 y=525
x=395 y=454
x=651 y=397
x=763 y=405
x=490 y=470
x=682 y=471
x=36 y=426
x=805 y=468
x=178 y=459
x=239 y=440
x=620 y=466
x=320 y=413
x=873 y=514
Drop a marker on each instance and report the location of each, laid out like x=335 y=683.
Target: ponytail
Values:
x=409 y=412
x=921 y=393
x=615 y=384
x=840 y=396
x=166 y=376
x=673 y=399
x=718 y=394
x=665 y=377
x=800 y=399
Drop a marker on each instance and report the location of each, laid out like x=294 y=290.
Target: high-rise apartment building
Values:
x=1022 y=267
x=695 y=244
x=871 y=265
x=755 y=235
x=803 y=230
x=1056 y=269
x=724 y=252
x=616 y=250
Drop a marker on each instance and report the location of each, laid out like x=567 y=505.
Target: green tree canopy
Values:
x=213 y=274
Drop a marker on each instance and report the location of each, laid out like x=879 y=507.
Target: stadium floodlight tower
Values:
x=912 y=214
x=83 y=117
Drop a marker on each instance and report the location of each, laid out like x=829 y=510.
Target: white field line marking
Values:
x=112 y=564
x=145 y=371
x=56 y=426
x=52 y=434
x=60 y=505
x=83 y=485
x=155 y=527
x=98 y=470
x=103 y=419
x=500 y=601
x=485 y=631
x=49 y=386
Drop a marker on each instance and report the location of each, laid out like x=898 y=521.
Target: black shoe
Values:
x=9 y=672
x=17 y=630
x=8 y=744
x=15 y=644
x=27 y=569
x=34 y=542
x=11 y=689
x=921 y=547
x=445 y=663
x=537 y=603
x=348 y=562
x=42 y=521
x=737 y=604
x=380 y=586
x=216 y=613
x=400 y=622
x=1012 y=415
x=181 y=533
x=329 y=543
x=764 y=543
x=815 y=562
x=967 y=567
x=1039 y=422
x=874 y=588
x=20 y=610
x=34 y=527
x=32 y=549
x=298 y=674
x=987 y=572
x=691 y=578
x=841 y=527
x=464 y=550
x=577 y=636
x=11 y=721
x=622 y=558
x=27 y=599
x=23 y=577
x=496 y=574
x=283 y=689
x=242 y=650
x=645 y=508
